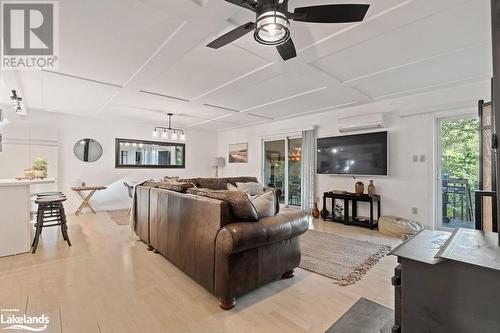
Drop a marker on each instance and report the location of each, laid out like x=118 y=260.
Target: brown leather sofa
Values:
x=201 y=237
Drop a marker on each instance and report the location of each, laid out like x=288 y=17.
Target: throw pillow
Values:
x=241 y=207
x=265 y=204
x=251 y=188
x=231 y=187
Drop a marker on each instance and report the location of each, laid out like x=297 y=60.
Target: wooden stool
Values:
x=50 y=214
x=86 y=199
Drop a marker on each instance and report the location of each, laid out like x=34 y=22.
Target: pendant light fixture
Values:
x=272 y=28
x=169 y=133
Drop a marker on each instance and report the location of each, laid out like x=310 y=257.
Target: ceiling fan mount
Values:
x=272 y=24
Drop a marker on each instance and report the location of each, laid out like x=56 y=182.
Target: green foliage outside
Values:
x=460 y=149
x=460 y=158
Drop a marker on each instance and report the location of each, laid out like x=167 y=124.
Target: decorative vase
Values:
x=324 y=212
x=315 y=211
x=29 y=173
x=371 y=189
x=39 y=173
x=359 y=188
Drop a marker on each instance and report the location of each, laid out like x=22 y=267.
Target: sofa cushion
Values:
x=241 y=206
x=234 y=180
x=193 y=181
x=212 y=183
x=250 y=188
x=265 y=204
x=180 y=187
x=175 y=186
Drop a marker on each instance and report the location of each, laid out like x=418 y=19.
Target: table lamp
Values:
x=217 y=162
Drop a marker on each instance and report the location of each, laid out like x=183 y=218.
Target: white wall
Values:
x=201 y=146
x=411 y=132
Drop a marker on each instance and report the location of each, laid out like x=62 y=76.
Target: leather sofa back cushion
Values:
x=180 y=187
x=175 y=186
x=215 y=183
x=265 y=204
x=234 y=180
x=241 y=207
x=212 y=183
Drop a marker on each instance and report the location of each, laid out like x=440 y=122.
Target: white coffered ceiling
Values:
x=138 y=59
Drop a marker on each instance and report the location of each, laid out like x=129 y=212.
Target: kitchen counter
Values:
x=15 y=209
x=15 y=182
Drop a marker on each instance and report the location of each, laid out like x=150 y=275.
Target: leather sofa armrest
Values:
x=241 y=236
x=277 y=192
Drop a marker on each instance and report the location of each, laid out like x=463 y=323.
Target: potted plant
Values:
x=39 y=166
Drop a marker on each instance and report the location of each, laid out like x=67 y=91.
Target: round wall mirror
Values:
x=87 y=150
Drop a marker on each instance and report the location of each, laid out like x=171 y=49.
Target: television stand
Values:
x=351 y=199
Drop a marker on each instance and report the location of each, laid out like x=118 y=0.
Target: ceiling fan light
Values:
x=272 y=28
x=182 y=137
x=174 y=136
x=164 y=135
x=155 y=134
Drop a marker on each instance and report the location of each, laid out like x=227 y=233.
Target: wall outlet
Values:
x=414 y=210
x=415 y=158
x=422 y=158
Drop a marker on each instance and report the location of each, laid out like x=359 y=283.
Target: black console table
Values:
x=348 y=198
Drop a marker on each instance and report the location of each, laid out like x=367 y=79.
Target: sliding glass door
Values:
x=274 y=165
x=294 y=171
x=458 y=171
x=282 y=168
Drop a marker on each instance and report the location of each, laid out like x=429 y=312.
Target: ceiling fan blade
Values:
x=331 y=13
x=243 y=3
x=232 y=35
x=287 y=50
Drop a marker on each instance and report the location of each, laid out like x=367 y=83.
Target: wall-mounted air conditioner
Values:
x=361 y=123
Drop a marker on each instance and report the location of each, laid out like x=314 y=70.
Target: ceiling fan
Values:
x=272 y=25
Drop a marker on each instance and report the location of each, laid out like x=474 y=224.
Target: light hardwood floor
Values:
x=108 y=282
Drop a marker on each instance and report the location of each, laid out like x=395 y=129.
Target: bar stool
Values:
x=50 y=194
x=50 y=213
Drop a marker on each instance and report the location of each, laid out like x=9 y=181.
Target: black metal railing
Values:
x=457 y=197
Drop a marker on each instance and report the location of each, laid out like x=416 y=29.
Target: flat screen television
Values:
x=360 y=154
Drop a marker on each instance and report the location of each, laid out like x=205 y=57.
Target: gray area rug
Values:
x=343 y=259
x=120 y=216
x=364 y=316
